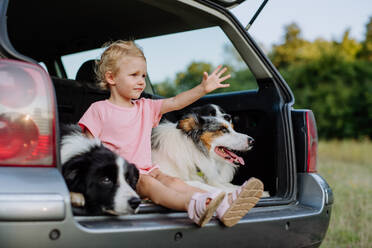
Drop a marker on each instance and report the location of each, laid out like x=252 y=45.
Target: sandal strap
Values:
x=235 y=193
x=192 y=209
x=198 y=211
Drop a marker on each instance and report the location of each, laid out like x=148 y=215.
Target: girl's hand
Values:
x=213 y=81
x=183 y=99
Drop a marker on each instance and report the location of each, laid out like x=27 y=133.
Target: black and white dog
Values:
x=98 y=179
x=200 y=148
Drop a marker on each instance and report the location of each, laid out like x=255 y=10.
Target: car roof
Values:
x=46 y=29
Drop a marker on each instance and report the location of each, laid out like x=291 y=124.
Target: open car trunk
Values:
x=256 y=113
x=261 y=113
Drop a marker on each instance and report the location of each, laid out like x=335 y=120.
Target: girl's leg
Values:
x=159 y=193
x=175 y=183
x=199 y=206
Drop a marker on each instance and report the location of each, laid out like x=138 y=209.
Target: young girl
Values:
x=123 y=123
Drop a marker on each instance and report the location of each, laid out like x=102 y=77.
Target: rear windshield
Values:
x=175 y=62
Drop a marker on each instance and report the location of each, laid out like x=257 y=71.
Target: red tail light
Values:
x=312 y=142
x=27 y=116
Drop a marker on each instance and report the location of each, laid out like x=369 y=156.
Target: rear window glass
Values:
x=176 y=62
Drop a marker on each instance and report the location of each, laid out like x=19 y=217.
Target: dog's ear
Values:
x=190 y=122
x=73 y=173
x=132 y=175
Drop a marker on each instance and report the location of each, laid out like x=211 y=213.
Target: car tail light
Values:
x=27 y=115
x=312 y=142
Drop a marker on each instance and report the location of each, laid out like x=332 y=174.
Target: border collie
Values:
x=200 y=147
x=99 y=180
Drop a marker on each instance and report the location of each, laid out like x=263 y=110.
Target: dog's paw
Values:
x=77 y=199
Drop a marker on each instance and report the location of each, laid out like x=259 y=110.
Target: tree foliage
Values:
x=332 y=78
x=338 y=91
x=241 y=79
x=192 y=76
x=366 y=51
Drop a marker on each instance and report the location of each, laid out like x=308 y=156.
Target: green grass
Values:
x=347 y=167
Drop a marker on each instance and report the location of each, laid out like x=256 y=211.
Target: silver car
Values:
x=40 y=42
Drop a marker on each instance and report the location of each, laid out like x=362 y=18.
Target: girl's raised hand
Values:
x=214 y=81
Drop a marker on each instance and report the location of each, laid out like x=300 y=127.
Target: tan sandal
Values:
x=243 y=199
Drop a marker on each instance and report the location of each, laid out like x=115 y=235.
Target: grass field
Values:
x=347 y=167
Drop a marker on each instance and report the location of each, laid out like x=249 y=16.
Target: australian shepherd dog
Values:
x=99 y=181
x=200 y=148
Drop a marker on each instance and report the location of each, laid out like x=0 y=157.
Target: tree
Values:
x=165 y=88
x=192 y=76
x=366 y=51
x=333 y=78
x=348 y=47
x=339 y=92
x=295 y=49
x=290 y=51
x=184 y=80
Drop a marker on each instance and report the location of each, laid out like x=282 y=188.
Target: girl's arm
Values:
x=209 y=83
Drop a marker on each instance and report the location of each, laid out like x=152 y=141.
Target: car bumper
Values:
x=301 y=224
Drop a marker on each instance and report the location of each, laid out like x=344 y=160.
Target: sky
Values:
x=327 y=19
x=316 y=18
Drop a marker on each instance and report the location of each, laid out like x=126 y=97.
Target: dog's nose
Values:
x=250 y=141
x=134 y=202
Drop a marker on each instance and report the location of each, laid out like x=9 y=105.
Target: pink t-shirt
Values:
x=126 y=131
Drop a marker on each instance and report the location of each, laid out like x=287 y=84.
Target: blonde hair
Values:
x=113 y=53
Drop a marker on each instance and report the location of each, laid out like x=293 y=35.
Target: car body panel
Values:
x=302 y=223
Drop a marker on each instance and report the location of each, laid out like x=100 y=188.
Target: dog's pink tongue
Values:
x=240 y=160
x=234 y=158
